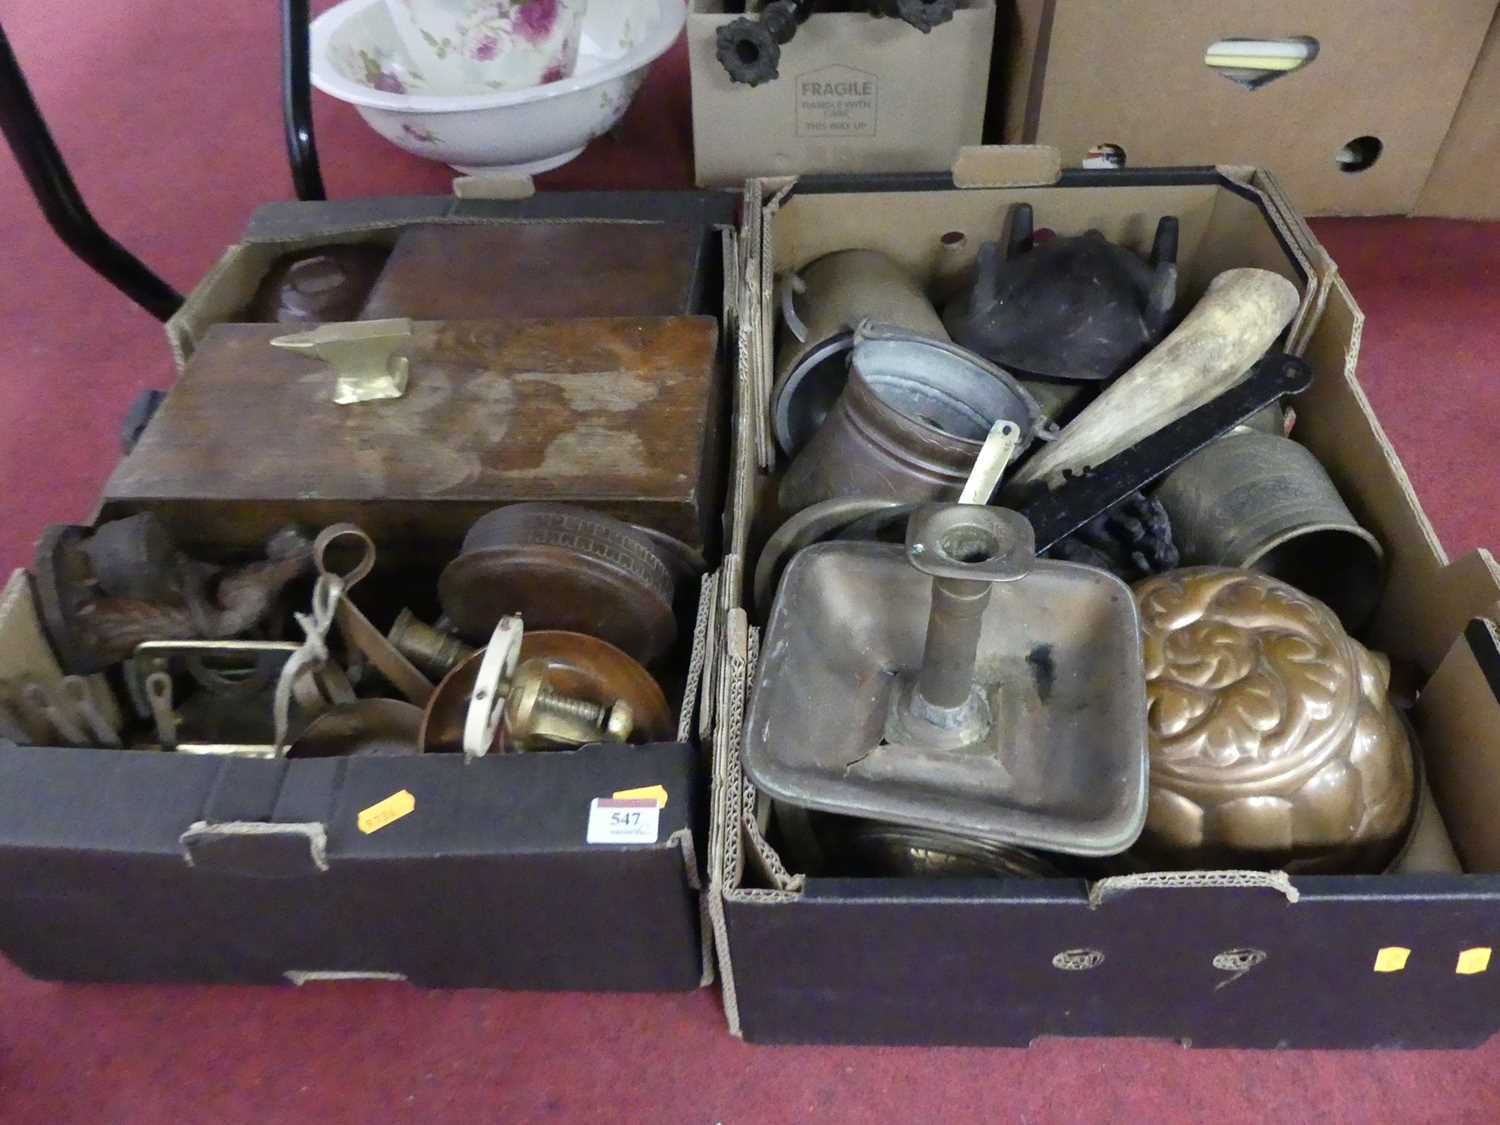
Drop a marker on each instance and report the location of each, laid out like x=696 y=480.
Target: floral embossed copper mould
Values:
x=1272 y=741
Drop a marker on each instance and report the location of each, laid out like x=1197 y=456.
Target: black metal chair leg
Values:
x=296 y=102
x=47 y=174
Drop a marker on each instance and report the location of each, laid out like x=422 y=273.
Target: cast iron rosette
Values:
x=750 y=49
x=924 y=15
x=1132 y=540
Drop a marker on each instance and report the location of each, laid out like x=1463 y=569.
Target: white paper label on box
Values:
x=623 y=821
x=836 y=101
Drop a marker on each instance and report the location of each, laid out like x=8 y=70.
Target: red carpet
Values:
x=168 y=113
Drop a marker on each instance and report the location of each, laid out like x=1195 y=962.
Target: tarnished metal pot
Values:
x=366 y=728
x=1256 y=500
x=873 y=848
x=909 y=424
x=821 y=306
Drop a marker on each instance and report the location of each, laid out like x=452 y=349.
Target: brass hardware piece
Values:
x=433 y=651
x=537 y=717
x=362 y=355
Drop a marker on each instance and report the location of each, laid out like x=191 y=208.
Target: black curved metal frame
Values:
x=296 y=102
x=69 y=216
x=46 y=172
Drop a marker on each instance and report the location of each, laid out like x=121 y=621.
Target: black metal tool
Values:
x=1062 y=511
x=47 y=174
x=1080 y=498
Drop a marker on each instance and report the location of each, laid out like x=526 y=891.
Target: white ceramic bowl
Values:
x=498 y=44
x=358 y=58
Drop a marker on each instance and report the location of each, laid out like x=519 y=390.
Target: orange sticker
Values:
x=381 y=813
x=655 y=793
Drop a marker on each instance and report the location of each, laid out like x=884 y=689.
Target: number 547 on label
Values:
x=623 y=820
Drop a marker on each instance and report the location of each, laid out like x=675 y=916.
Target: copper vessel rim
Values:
x=931 y=437
x=1298 y=530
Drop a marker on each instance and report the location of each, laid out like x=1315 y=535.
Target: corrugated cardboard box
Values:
x=1385 y=81
x=1220 y=958
x=1462 y=184
x=148 y=866
x=855 y=94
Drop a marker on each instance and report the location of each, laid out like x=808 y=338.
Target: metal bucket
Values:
x=1256 y=500
x=821 y=305
x=909 y=423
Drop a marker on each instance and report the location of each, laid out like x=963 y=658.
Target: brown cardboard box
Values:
x=1462 y=182
x=1206 y=958
x=1086 y=72
x=855 y=94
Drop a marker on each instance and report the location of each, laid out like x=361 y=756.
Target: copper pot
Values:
x=576 y=666
x=821 y=306
x=909 y=424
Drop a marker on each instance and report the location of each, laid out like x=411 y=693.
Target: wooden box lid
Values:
x=510 y=271
x=619 y=413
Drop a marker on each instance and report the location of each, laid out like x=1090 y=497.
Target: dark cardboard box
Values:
x=1212 y=958
x=140 y=866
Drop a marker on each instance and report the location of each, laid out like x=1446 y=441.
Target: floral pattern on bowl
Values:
x=358 y=58
x=380 y=68
x=464 y=45
x=421 y=133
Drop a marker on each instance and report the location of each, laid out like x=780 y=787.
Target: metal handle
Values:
x=47 y=174
x=296 y=102
x=358 y=631
x=994 y=458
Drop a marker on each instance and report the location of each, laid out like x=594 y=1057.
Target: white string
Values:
x=313 y=655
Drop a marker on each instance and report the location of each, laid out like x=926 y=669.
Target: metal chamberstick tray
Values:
x=1064 y=768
